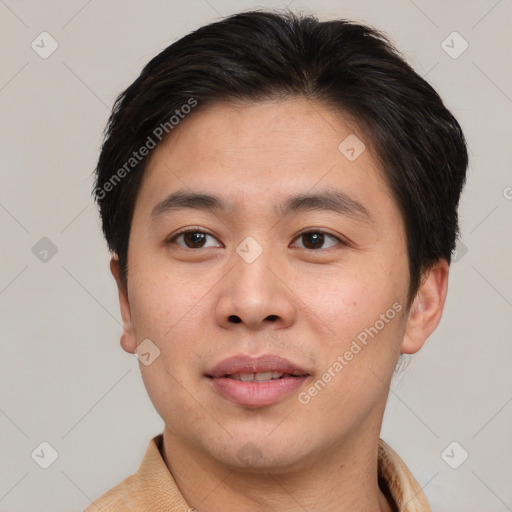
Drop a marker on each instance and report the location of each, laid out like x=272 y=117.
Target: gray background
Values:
x=64 y=378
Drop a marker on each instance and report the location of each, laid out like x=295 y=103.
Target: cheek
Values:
x=350 y=301
x=168 y=310
x=363 y=311
x=171 y=311
x=163 y=301
x=358 y=360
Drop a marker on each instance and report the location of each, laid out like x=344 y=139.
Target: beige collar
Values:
x=153 y=489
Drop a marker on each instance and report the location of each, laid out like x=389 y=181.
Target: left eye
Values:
x=193 y=239
x=315 y=240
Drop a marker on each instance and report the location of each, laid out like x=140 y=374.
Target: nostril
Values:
x=272 y=317
x=235 y=319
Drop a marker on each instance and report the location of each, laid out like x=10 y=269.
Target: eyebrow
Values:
x=329 y=200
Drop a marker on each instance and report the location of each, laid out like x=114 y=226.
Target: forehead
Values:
x=266 y=150
x=294 y=128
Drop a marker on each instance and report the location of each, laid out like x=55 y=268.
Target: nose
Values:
x=255 y=296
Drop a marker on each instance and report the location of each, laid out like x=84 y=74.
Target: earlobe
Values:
x=427 y=308
x=128 y=340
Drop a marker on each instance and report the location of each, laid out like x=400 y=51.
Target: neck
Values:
x=344 y=478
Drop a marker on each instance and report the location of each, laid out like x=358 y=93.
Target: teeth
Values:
x=260 y=377
x=263 y=376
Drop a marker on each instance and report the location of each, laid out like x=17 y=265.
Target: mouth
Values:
x=256 y=381
x=260 y=376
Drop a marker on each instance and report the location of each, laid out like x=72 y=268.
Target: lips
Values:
x=262 y=364
x=256 y=381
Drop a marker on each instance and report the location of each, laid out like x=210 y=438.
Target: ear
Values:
x=427 y=307
x=128 y=340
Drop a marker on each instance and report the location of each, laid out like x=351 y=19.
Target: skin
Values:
x=319 y=456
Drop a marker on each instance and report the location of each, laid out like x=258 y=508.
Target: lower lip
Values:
x=257 y=394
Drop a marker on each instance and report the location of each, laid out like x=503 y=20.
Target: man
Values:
x=280 y=198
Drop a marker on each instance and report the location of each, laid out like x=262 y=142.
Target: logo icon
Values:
x=454 y=45
x=454 y=455
x=249 y=249
x=44 y=250
x=460 y=251
x=146 y=352
x=44 y=455
x=44 y=45
x=351 y=147
x=249 y=454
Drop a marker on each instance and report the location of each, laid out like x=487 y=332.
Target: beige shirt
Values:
x=153 y=489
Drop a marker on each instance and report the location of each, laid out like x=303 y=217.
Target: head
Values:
x=322 y=177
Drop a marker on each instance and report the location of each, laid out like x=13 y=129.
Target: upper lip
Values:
x=248 y=364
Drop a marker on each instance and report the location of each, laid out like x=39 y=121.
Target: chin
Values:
x=257 y=452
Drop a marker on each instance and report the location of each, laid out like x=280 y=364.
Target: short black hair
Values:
x=261 y=55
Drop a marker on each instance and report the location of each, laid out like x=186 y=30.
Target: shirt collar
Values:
x=153 y=489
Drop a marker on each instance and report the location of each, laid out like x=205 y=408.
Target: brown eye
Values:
x=315 y=240
x=193 y=239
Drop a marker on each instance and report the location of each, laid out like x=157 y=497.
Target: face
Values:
x=295 y=270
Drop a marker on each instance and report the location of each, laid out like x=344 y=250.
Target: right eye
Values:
x=192 y=239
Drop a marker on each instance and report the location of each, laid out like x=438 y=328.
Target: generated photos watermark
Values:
x=156 y=136
x=357 y=345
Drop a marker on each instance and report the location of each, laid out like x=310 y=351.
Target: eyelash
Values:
x=174 y=237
